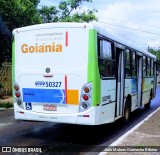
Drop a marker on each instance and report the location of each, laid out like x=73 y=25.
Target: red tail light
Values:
x=85 y=97
x=17 y=94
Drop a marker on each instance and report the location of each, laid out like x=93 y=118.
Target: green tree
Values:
x=19 y=13
x=66 y=12
x=155 y=52
x=14 y=14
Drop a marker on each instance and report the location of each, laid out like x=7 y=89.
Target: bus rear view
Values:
x=50 y=67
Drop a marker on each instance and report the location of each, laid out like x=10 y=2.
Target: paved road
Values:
x=83 y=138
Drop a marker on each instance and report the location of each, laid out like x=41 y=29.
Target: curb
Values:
x=1 y=109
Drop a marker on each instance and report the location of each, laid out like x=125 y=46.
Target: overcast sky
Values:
x=137 y=21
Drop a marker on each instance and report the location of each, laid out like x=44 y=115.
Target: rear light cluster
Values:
x=85 y=101
x=17 y=94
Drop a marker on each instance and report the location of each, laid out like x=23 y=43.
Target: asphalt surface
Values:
x=65 y=137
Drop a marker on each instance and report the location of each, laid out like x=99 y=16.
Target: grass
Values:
x=6 y=105
x=140 y=146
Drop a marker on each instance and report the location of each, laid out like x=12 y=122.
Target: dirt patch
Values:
x=6 y=99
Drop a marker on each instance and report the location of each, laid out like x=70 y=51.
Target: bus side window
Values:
x=144 y=67
x=127 y=64
x=133 y=62
x=106 y=59
x=152 y=67
x=148 y=67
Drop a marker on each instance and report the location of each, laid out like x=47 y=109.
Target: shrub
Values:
x=6 y=105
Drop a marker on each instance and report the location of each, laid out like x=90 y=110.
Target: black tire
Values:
x=127 y=112
x=148 y=105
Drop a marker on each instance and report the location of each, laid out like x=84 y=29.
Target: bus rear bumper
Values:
x=83 y=118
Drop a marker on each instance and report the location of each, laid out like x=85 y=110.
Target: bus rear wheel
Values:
x=148 y=105
x=127 y=112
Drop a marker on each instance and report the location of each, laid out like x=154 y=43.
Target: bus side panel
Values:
x=93 y=76
x=13 y=62
x=93 y=71
x=147 y=85
x=108 y=100
x=131 y=89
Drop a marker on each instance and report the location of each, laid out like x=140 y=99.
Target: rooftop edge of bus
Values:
x=54 y=25
x=93 y=25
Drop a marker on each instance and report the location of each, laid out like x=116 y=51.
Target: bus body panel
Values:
x=39 y=90
x=131 y=87
x=147 y=86
x=74 y=118
x=53 y=63
x=108 y=99
x=50 y=67
x=93 y=69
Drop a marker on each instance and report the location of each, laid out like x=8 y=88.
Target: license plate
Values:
x=50 y=107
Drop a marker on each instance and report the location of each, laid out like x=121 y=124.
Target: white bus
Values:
x=78 y=73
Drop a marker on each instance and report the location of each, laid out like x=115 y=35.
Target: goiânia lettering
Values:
x=41 y=48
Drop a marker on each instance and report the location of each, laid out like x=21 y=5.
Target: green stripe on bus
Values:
x=93 y=71
x=13 y=61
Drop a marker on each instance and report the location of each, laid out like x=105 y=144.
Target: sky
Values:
x=137 y=21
